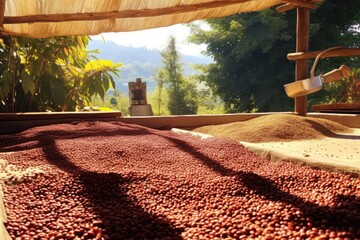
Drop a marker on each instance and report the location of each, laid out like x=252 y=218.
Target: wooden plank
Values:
x=119 y=14
x=337 y=107
x=58 y=115
x=301 y=66
x=160 y=122
x=346 y=52
x=346 y=119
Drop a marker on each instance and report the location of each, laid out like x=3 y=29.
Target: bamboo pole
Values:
x=302 y=45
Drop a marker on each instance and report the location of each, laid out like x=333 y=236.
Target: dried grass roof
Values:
x=47 y=18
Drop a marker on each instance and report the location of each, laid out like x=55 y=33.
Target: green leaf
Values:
x=45 y=89
x=59 y=93
x=112 y=82
x=92 y=88
x=28 y=83
x=106 y=83
x=100 y=90
x=5 y=82
x=115 y=72
x=101 y=64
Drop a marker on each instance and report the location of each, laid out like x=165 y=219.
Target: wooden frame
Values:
x=346 y=52
x=134 y=13
x=293 y=4
x=289 y=6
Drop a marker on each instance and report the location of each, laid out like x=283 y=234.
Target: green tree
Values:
x=249 y=52
x=154 y=100
x=208 y=102
x=44 y=74
x=182 y=94
x=160 y=79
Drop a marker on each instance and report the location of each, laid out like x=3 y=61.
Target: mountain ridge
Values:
x=139 y=62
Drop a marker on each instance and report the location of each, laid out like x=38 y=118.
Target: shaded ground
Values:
x=120 y=181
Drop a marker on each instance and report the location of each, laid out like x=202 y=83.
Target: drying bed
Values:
x=110 y=180
x=319 y=143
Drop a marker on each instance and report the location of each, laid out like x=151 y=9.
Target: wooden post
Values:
x=302 y=45
x=2 y=12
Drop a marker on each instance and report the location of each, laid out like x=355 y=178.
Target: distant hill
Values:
x=139 y=62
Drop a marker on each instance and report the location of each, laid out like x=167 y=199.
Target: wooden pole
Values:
x=2 y=12
x=346 y=52
x=302 y=45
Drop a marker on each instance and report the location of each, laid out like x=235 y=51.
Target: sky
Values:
x=156 y=38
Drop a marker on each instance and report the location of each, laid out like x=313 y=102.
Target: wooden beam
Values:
x=301 y=3
x=119 y=14
x=2 y=12
x=289 y=6
x=285 y=7
x=346 y=52
x=302 y=45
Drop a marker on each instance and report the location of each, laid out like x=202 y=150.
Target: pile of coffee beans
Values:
x=120 y=181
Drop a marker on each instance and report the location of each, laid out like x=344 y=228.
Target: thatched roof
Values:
x=47 y=18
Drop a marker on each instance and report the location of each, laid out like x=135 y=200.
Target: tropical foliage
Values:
x=249 y=52
x=53 y=74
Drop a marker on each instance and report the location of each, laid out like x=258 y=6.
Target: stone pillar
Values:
x=138 y=103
